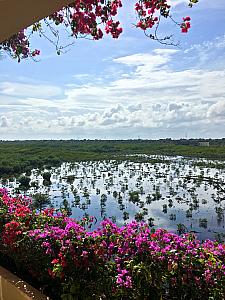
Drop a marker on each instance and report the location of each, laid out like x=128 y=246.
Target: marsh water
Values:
x=164 y=194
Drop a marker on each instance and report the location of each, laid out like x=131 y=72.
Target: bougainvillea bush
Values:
x=68 y=261
x=92 y=19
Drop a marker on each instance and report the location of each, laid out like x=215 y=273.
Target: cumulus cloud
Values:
x=174 y=106
x=135 y=107
x=4 y=122
x=61 y=121
x=217 y=110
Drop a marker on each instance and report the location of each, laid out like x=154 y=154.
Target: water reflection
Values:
x=162 y=194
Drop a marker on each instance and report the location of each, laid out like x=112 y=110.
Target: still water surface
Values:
x=163 y=194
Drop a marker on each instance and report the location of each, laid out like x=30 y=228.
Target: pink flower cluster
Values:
x=18 y=46
x=147 y=11
x=89 y=18
x=128 y=262
x=185 y=25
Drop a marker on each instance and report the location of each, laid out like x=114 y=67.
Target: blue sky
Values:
x=126 y=88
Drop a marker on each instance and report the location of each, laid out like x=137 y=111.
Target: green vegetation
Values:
x=21 y=156
x=40 y=201
x=24 y=182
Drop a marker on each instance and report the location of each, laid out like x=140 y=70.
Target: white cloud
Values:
x=209 y=54
x=217 y=110
x=147 y=94
x=37 y=102
x=4 y=122
x=18 y=89
x=177 y=2
x=139 y=60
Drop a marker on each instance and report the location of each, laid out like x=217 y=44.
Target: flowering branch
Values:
x=92 y=19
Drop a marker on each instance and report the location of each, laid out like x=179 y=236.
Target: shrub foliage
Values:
x=68 y=261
